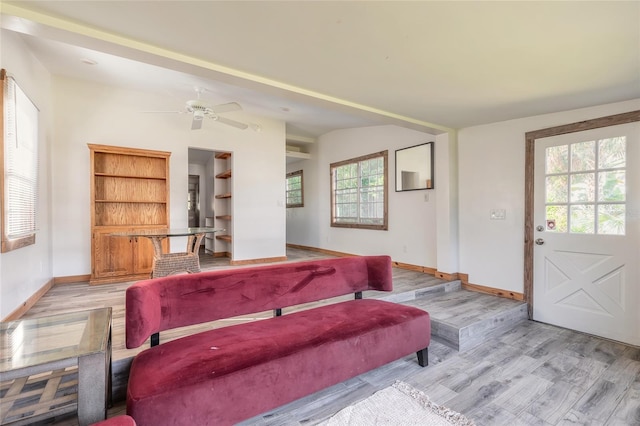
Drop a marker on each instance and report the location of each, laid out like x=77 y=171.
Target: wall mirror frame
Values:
x=414 y=167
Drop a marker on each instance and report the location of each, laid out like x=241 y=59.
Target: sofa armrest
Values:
x=380 y=273
x=143 y=314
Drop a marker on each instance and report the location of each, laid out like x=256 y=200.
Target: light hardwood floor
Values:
x=533 y=374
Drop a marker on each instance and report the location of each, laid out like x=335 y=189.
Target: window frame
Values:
x=384 y=226
x=9 y=130
x=287 y=191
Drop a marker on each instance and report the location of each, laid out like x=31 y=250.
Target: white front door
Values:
x=587 y=232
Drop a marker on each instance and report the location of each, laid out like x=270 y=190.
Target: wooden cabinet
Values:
x=129 y=191
x=222 y=205
x=120 y=258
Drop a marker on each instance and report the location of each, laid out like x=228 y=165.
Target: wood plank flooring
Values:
x=533 y=374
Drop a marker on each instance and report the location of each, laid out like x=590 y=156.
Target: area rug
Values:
x=398 y=405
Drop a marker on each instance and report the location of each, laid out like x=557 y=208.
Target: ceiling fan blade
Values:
x=230 y=122
x=231 y=106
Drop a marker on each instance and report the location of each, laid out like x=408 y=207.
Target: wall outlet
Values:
x=498 y=214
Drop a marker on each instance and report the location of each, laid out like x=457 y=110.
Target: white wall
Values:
x=411 y=237
x=90 y=113
x=26 y=270
x=491 y=163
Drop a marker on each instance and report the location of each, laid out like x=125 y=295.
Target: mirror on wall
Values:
x=414 y=167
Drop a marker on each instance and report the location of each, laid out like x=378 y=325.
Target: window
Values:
x=20 y=166
x=295 y=192
x=586 y=187
x=359 y=192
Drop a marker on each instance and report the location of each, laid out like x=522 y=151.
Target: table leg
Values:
x=92 y=388
x=157 y=252
x=157 y=245
x=193 y=245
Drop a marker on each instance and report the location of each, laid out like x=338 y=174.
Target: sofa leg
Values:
x=423 y=357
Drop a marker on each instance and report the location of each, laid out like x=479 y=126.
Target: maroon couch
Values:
x=225 y=375
x=117 y=421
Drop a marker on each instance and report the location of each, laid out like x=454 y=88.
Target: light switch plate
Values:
x=498 y=214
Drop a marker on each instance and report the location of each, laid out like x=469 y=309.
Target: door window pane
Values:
x=557 y=159
x=583 y=188
x=582 y=219
x=583 y=156
x=611 y=219
x=558 y=216
x=612 y=153
x=611 y=186
x=556 y=189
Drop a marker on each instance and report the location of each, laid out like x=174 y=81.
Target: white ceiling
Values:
x=326 y=65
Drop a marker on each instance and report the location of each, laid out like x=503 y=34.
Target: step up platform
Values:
x=463 y=319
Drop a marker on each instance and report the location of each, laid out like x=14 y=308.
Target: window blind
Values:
x=20 y=177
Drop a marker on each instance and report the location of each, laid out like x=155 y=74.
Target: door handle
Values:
x=539 y=241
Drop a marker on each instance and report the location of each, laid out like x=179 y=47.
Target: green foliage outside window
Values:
x=585 y=190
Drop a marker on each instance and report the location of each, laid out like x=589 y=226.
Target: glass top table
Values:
x=165 y=264
x=167 y=232
x=47 y=351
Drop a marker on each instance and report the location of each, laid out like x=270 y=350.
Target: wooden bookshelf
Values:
x=224 y=175
x=222 y=208
x=129 y=191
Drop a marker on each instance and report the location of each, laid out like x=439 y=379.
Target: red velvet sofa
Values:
x=225 y=375
x=122 y=420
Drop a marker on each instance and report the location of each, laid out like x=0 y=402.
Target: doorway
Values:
x=193 y=201
x=582 y=226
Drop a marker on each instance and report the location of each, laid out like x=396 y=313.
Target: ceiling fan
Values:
x=201 y=110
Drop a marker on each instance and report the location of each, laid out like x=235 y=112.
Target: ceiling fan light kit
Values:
x=196 y=123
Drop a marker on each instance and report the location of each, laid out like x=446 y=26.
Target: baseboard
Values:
x=72 y=279
x=399 y=265
x=221 y=254
x=320 y=250
x=415 y=268
x=256 y=261
x=447 y=276
x=26 y=305
x=464 y=278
